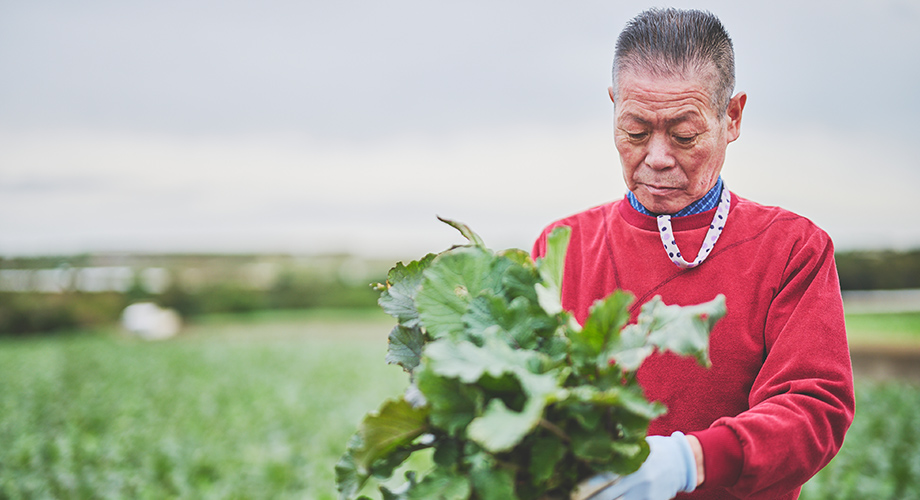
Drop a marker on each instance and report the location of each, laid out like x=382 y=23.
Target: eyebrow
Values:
x=683 y=117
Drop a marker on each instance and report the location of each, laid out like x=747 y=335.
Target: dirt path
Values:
x=886 y=362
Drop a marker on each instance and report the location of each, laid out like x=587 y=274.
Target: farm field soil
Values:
x=261 y=406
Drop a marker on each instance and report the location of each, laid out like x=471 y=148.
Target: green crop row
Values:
x=263 y=409
x=879 y=457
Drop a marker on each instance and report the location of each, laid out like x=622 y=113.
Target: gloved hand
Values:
x=669 y=469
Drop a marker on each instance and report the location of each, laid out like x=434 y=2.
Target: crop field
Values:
x=892 y=329
x=262 y=406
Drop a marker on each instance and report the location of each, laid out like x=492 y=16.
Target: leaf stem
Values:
x=555 y=429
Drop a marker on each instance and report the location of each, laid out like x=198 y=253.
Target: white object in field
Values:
x=150 y=321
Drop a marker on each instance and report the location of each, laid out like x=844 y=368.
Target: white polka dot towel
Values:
x=712 y=236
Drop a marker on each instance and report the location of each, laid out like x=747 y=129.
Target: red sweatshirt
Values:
x=775 y=405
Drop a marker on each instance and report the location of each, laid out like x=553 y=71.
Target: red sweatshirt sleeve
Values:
x=802 y=401
x=722 y=456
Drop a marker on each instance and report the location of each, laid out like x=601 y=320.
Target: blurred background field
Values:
x=245 y=165
x=258 y=394
x=259 y=407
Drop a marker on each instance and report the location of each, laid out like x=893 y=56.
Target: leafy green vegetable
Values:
x=398 y=298
x=382 y=435
x=514 y=397
x=405 y=347
x=449 y=287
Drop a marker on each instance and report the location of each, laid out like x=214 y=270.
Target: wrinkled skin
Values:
x=671 y=139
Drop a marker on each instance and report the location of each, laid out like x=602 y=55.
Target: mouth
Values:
x=660 y=190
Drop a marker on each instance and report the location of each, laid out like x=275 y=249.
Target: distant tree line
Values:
x=23 y=313
x=878 y=269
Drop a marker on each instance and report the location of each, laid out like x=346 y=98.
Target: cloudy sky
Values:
x=316 y=126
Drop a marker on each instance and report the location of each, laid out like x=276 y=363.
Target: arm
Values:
x=801 y=403
x=698 y=458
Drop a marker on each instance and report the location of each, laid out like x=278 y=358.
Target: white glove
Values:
x=669 y=469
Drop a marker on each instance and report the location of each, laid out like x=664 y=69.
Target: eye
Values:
x=684 y=140
x=637 y=136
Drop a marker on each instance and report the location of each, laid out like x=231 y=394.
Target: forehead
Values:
x=649 y=98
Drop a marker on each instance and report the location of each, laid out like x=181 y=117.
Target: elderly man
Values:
x=775 y=406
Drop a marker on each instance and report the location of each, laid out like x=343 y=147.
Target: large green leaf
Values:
x=448 y=453
x=592 y=445
x=628 y=455
x=545 y=453
x=441 y=484
x=519 y=257
x=605 y=319
x=500 y=428
x=450 y=283
x=630 y=348
x=551 y=268
x=623 y=398
x=683 y=330
x=403 y=283
x=490 y=480
x=520 y=279
x=404 y=347
x=552 y=265
x=395 y=425
x=402 y=492
x=453 y=405
x=348 y=479
x=517 y=323
x=468 y=362
x=622 y=456
x=588 y=415
x=384 y=467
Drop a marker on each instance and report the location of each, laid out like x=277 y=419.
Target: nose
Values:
x=658 y=153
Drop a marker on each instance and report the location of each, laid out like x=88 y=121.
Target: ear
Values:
x=610 y=92
x=734 y=111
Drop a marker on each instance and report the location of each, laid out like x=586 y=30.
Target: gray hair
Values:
x=672 y=42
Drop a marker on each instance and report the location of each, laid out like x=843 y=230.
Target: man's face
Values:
x=670 y=138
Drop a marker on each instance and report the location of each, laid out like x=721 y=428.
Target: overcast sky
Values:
x=308 y=126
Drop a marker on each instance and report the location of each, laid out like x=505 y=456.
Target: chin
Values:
x=663 y=206
x=664 y=202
